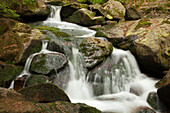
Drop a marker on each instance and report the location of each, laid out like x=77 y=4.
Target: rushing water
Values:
x=123 y=76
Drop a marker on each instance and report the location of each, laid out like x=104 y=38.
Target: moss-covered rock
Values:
x=35 y=79
x=54 y=30
x=115 y=9
x=44 y=92
x=85 y=17
x=29 y=10
x=48 y=62
x=148 y=39
x=8 y=73
x=164 y=81
x=15 y=38
x=6 y=12
x=95 y=51
x=13 y=102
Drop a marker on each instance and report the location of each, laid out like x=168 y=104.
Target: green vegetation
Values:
x=143 y=23
x=5 y=11
x=54 y=30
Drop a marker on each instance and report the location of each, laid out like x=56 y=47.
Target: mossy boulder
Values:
x=13 y=102
x=44 y=92
x=36 y=79
x=6 y=12
x=7 y=73
x=68 y=9
x=115 y=9
x=46 y=63
x=29 y=10
x=85 y=17
x=147 y=39
x=67 y=107
x=54 y=30
x=95 y=51
x=15 y=38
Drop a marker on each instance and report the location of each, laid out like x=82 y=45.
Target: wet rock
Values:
x=164 y=81
x=147 y=39
x=47 y=62
x=132 y=14
x=95 y=51
x=44 y=92
x=36 y=79
x=7 y=73
x=28 y=9
x=155 y=102
x=33 y=47
x=115 y=9
x=85 y=17
x=19 y=82
x=15 y=39
x=163 y=93
x=144 y=110
x=61 y=46
x=62 y=77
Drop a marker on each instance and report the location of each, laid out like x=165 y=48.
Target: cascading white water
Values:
x=73 y=29
x=116 y=96
x=125 y=74
x=78 y=83
x=29 y=60
x=121 y=100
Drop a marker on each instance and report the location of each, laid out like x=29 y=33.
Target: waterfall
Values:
x=54 y=20
x=125 y=74
x=29 y=60
x=55 y=14
x=117 y=84
x=78 y=86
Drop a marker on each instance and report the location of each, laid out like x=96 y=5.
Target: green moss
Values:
x=100 y=34
x=31 y=4
x=5 y=11
x=143 y=23
x=53 y=30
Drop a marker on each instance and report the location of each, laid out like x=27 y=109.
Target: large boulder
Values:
x=44 y=92
x=45 y=63
x=36 y=79
x=95 y=51
x=148 y=39
x=29 y=10
x=7 y=73
x=13 y=102
x=15 y=39
x=115 y=9
x=85 y=17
